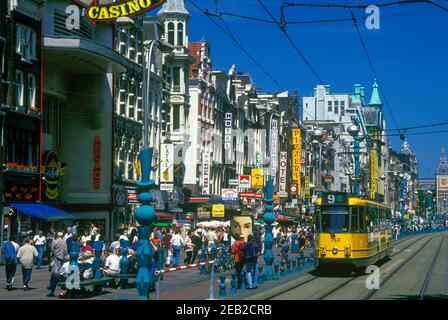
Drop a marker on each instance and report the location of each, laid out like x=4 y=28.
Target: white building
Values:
x=174 y=17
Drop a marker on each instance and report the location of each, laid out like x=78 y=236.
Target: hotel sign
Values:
x=282 y=185
x=206 y=173
x=110 y=12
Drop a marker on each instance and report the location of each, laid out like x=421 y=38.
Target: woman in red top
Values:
x=238 y=252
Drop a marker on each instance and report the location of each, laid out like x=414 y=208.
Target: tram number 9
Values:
x=331 y=198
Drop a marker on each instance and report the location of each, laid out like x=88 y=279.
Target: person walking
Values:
x=50 y=237
x=59 y=252
x=40 y=242
x=189 y=248
x=26 y=255
x=10 y=249
x=238 y=252
x=251 y=251
x=177 y=242
x=284 y=245
x=166 y=242
x=302 y=243
x=197 y=244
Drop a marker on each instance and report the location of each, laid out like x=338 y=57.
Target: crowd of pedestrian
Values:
x=171 y=247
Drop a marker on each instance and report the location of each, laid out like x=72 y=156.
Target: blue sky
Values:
x=409 y=53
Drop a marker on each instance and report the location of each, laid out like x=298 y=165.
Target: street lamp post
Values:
x=402 y=190
x=149 y=45
x=353 y=130
x=430 y=209
x=317 y=137
x=269 y=219
x=444 y=208
x=145 y=216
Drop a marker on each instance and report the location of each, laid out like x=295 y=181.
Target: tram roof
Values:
x=353 y=201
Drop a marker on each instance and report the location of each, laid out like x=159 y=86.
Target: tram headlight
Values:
x=335 y=251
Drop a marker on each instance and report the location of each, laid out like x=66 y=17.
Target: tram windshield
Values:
x=334 y=219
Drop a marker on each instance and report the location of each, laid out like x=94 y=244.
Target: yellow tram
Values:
x=351 y=230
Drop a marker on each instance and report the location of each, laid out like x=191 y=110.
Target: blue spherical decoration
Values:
x=146 y=197
x=145 y=215
x=269 y=217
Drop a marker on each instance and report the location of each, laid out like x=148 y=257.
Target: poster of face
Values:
x=242 y=226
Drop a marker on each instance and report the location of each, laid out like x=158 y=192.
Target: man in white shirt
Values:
x=112 y=265
x=39 y=242
x=211 y=238
x=177 y=242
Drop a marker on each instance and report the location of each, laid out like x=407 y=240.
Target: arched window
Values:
x=171 y=33
x=180 y=34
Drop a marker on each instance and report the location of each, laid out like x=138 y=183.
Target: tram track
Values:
x=431 y=267
x=396 y=270
x=341 y=284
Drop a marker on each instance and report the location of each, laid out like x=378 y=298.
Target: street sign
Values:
x=166 y=187
x=235 y=182
x=257 y=178
x=218 y=211
x=293 y=189
x=244 y=181
x=132 y=196
x=251 y=195
x=229 y=194
x=120 y=198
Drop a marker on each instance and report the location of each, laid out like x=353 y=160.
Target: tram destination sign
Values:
x=334 y=198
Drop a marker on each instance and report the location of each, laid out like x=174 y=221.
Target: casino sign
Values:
x=124 y=8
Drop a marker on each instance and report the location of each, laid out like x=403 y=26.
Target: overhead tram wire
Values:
x=419 y=127
x=240 y=46
x=369 y=59
x=379 y=5
x=296 y=48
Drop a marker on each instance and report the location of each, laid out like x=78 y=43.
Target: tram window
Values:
x=354 y=214
x=363 y=218
x=335 y=219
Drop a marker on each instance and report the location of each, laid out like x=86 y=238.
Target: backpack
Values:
x=250 y=250
x=10 y=251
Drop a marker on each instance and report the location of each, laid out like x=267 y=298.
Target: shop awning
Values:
x=163 y=216
x=43 y=212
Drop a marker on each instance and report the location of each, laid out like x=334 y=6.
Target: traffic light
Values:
x=11 y=211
